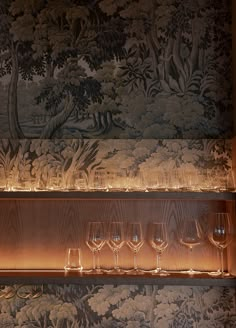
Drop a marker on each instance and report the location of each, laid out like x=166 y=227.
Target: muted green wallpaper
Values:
x=110 y=306
x=143 y=71
x=76 y=164
x=107 y=69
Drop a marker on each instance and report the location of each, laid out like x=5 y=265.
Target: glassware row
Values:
x=176 y=179
x=116 y=234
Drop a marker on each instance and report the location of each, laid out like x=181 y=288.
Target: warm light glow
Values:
x=32 y=257
x=174 y=179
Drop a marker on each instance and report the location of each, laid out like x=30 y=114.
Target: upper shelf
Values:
x=78 y=195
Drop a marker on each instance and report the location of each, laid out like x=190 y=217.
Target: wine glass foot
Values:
x=73 y=269
x=134 y=271
x=115 y=271
x=214 y=273
x=225 y=274
x=95 y=271
x=190 y=272
x=161 y=273
x=219 y=274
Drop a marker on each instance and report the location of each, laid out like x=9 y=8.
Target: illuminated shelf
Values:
x=60 y=277
x=203 y=195
x=17 y=218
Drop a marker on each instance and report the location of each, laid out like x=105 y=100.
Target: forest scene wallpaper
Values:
x=79 y=164
x=151 y=77
x=115 y=69
x=111 y=306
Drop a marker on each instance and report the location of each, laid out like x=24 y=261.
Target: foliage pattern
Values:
x=41 y=161
x=99 y=69
x=105 y=306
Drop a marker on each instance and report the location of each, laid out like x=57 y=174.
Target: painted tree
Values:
x=16 y=59
x=106 y=116
x=65 y=35
x=140 y=67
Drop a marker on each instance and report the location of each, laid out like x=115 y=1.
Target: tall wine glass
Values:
x=95 y=240
x=158 y=239
x=135 y=241
x=190 y=235
x=115 y=241
x=220 y=233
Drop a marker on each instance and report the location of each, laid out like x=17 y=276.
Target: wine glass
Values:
x=220 y=233
x=115 y=241
x=95 y=240
x=190 y=235
x=135 y=241
x=99 y=180
x=159 y=241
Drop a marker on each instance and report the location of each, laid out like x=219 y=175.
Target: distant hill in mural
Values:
x=107 y=69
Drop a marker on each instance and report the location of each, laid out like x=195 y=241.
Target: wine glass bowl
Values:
x=220 y=233
x=95 y=240
x=158 y=240
x=135 y=241
x=190 y=235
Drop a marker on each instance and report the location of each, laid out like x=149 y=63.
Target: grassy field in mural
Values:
x=106 y=69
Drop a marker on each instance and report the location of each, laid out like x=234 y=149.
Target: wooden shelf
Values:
x=78 y=195
x=71 y=212
x=61 y=277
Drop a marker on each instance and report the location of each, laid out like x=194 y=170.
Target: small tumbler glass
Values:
x=73 y=260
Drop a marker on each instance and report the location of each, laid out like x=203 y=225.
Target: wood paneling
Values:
x=234 y=59
x=34 y=234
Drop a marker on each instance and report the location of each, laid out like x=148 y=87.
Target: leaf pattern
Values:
x=41 y=161
x=122 y=306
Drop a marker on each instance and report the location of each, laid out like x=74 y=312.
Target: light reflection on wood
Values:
x=35 y=234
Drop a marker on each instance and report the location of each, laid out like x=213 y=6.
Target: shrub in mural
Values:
x=109 y=306
x=108 y=69
x=77 y=163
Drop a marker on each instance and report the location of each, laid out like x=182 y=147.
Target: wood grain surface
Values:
x=34 y=234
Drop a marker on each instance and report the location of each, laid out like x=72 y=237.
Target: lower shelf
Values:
x=36 y=277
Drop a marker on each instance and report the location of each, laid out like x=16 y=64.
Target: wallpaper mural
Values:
x=136 y=73
x=77 y=164
x=106 y=306
x=108 y=69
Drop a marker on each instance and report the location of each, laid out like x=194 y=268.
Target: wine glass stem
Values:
x=190 y=259
x=158 y=268
x=94 y=260
x=116 y=267
x=98 y=268
x=135 y=261
x=222 y=261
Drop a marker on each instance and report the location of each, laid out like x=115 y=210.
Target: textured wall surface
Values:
x=115 y=70
x=119 y=164
x=122 y=306
x=137 y=69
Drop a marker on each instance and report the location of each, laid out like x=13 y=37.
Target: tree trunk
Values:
x=176 y=56
x=12 y=108
x=50 y=68
x=201 y=59
x=95 y=124
x=109 y=121
x=154 y=51
x=99 y=121
x=57 y=121
x=195 y=45
x=167 y=60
